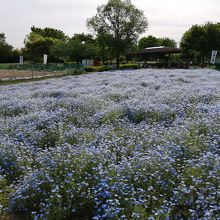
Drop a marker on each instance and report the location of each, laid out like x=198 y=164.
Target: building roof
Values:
x=158 y=50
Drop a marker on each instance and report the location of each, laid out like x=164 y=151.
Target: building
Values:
x=150 y=53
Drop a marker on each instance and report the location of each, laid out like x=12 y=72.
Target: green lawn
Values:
x=4 y=66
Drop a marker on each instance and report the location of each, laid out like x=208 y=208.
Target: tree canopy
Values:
x=40 y=41
x=167 y=42
x=151 y=41
x=76 y=48
x=49 y=32
x=5 y=49
x=199 y=41
x=118 y=24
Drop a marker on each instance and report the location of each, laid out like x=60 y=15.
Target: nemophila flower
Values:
x=138 y=144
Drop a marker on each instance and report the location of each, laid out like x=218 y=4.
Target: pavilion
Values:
x=158 y=51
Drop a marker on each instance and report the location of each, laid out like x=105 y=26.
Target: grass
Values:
x=5 y=66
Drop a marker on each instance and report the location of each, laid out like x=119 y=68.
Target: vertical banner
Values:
x=213 y=57
x=21 y=60
x=45 y=59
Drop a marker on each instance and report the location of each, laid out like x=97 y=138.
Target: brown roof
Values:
x=158 y=50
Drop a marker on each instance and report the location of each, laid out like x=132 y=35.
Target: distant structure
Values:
x=162 y=50
x=152 y=52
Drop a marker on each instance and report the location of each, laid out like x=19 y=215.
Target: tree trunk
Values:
x=103 y=60
x=203 y=61
x=169 y=62
x=118 y=60
x=77 y=62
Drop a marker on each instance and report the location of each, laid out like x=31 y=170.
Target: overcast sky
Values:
x=167 y=18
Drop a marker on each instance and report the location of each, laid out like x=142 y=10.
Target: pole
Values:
x=32 y=72
x=14 y=73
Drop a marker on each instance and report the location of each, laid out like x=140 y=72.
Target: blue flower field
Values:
x=142 y=144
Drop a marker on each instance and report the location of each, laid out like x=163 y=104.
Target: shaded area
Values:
x=155 y=53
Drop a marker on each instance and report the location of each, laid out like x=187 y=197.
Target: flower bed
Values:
x=141 y=144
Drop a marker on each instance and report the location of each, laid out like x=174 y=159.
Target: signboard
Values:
x=21 y=60
x=213 y=57
x=45 y=59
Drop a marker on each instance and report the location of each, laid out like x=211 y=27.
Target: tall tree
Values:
x=151 y=41
x=105 y=51
x=81 y=46
x=5 y=49
x=59 y=50
x=198 y=42
x=120 y=22
x=40 y=41
x=49 y=32
x=76 y=48
x=167 y=42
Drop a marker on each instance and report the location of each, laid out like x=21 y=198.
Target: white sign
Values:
x=45 y=59
x=21 y=60
x=213 y=57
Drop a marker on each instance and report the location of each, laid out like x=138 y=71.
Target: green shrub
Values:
x=74 y=71
x=4 y=66
x=91 y=69
x=129 y=66
x=97 y=68
x=217 y=66
x=107 y=68
x=157 y=65
x=4 y=192
x=150 y=116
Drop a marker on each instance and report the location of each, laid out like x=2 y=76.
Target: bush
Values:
x=74 y=71
x=129 y=66
x=97 y=68
x=4 y=193
x=107 y=68
x=217 y=66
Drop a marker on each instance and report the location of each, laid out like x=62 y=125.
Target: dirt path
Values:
x=18 y=74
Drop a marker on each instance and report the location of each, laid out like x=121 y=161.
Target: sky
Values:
x=167 y=18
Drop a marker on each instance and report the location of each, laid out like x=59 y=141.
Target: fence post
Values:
x=44 y=70
x=32 y=70
x=14 y=72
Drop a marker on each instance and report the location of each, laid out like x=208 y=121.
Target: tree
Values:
x=198 y=42
x=49 y=32
x=119 y=24
x=15 y=55
x=76 y=48
x=167 y=42
x=151 y=41
x=40 y=41
x=59 y=50
x=5 y=49
x=103 y=45
x=81 y=46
